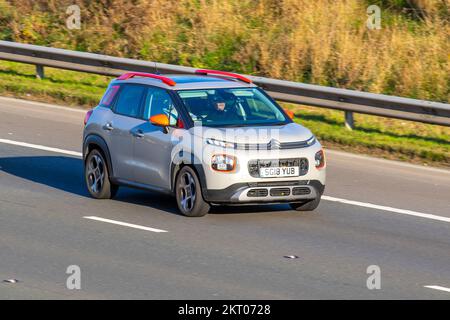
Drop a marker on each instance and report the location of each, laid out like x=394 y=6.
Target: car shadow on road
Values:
x=149 y=199
x=66 y=173
x=243 y=209
x=63 y=173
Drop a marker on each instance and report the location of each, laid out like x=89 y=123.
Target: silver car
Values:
x=213 y=138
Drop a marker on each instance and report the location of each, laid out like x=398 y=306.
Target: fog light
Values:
x=319 y=159
x=223 y=162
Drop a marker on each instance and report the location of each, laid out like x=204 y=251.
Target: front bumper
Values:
x=244 y=172
x=266 y=192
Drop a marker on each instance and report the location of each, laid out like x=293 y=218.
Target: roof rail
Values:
x=223 y=73
x=129 y=75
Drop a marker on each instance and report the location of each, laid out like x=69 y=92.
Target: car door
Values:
x=153 y=144
x=126 y=116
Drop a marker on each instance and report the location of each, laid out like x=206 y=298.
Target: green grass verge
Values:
x=382 y=137
x=66 y=87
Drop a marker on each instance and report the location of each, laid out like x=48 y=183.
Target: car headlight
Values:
x=223 y=162
x=219 y=143
x=319 y=159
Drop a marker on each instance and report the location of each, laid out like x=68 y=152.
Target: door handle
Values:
x=108 y=126
x=138 y=133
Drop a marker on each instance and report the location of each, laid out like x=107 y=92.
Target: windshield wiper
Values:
x=264 y=124
x=236 y=125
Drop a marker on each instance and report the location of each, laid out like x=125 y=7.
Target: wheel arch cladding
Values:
x=94 y=141
x=197 y=167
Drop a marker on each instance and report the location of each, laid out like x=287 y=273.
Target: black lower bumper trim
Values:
x=225 y=195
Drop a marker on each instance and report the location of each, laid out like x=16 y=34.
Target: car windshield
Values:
x=231 y=107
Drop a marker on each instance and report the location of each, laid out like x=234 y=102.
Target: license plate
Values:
x=278 y=172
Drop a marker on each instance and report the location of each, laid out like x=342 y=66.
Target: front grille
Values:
x=279 y=192
x=300 y=191
x=257 y=193
x=275 y=145
x=255 y=165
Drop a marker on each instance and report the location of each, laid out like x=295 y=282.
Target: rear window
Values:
x=108 y=97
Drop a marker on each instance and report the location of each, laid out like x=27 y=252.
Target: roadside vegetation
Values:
x=322 y=42
x=388 y=138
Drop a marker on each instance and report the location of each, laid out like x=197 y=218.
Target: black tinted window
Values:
x=231 y=107
x=129 y=99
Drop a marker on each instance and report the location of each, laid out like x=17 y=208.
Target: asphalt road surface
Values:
x=376 y=212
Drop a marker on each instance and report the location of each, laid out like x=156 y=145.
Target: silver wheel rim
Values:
x=187 y=191
x=96 y=174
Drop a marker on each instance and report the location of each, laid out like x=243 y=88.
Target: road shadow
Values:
x=148 y=199
x=249 y=208
x=66 y=173
x=59 y=172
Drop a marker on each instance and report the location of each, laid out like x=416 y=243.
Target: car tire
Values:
x=309 y=205
x=188 y=193
x=97 y=176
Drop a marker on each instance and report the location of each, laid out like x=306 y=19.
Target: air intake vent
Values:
x=300 y=191
x=280 y=192
x=257 y=193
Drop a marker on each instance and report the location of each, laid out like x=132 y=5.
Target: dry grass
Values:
x=323 y=41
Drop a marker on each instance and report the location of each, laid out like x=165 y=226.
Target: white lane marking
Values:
x=125 y=224
x=39 y=147
x=438 y=288
x=390 y=209
x=42 y=104
x=331 y=151
x=328 y=198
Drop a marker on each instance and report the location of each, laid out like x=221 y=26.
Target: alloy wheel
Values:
x=96 y=174
x=188 y=191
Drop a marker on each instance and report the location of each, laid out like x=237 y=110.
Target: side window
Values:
x=158 y=101
x=129 y=100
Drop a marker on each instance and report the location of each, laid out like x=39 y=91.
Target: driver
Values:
x=224 y=109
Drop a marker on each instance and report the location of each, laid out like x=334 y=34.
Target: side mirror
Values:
x=160 y=120
x=289 y=113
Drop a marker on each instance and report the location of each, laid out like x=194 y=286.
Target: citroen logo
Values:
x=274 y=144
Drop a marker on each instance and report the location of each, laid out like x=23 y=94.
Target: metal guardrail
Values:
x=326 y=97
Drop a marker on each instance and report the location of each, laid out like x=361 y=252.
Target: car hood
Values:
x=291 y=132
